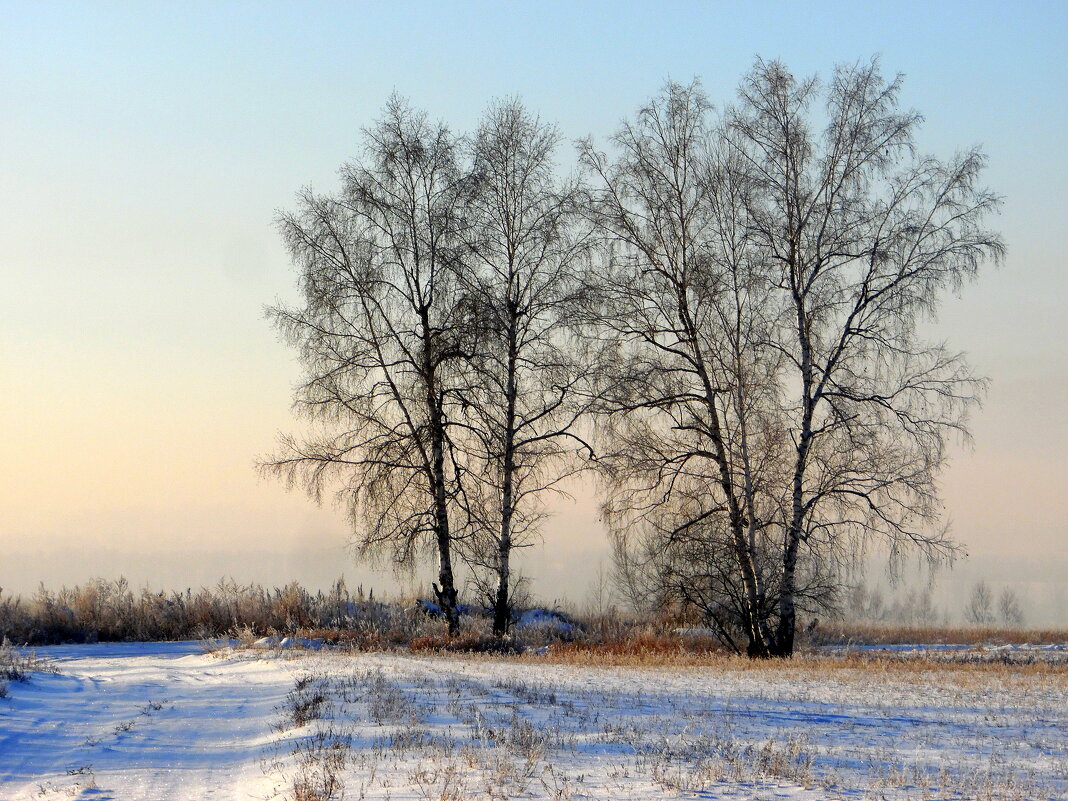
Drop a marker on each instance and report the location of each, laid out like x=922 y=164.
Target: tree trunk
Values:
x=783 y=645
x=758 y=645
x=784 y=634
x=502 y=607
x=502 y=611
x=445 y=590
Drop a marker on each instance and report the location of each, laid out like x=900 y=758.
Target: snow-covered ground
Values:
x=167 y=721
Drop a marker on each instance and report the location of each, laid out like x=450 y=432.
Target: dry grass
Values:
x=110 y=611
x=466 y=642
x=315 y=766
x=17 y=665
x=859 y=666
x=103 y=610
x=846 y=633
x=463 y=732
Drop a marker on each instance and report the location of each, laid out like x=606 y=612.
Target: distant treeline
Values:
x=112 y=611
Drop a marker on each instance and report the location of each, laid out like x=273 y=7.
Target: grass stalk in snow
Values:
x=18 y=664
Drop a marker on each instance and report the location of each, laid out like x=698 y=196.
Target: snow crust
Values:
x=167 y=721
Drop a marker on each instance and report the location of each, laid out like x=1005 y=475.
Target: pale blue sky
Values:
x=144 y=149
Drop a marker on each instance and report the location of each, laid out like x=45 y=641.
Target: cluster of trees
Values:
x=915 y=606
x=719 y=315
x=980 y=607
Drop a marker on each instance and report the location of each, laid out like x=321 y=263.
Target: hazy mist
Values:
x=147 y=149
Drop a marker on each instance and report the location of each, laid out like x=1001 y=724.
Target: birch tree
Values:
x=383 y=333
x=864 y=238
x=773 y=406
x=680 y=309
x=525 y=250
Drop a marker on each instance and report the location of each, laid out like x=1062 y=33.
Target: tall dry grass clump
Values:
x=103 y=610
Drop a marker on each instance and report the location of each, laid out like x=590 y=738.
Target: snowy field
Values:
x=167 y=721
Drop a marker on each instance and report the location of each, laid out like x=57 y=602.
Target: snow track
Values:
x=166 y=721
x=137 y=721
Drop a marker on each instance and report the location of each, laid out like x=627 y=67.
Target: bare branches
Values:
x=383 y=323
x=772 y=406
x=728 y=317
x=526 y=248
x=867 y=237
x=681 y=305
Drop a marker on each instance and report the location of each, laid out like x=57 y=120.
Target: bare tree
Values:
x=1010 y=611
x=864 y=238
x=773 y=407
x=525 y=250
x=980 y=605
x=679 y=305
x=382 y=332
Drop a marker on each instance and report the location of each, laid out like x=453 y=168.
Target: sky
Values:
x=145 y=149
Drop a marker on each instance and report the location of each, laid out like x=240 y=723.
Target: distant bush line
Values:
x=112 y=611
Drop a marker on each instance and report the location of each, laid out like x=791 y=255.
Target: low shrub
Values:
x=466 y=642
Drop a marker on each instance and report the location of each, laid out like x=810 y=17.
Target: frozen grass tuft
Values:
x=305 y=702
x=320 y=762
x=17 y=664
